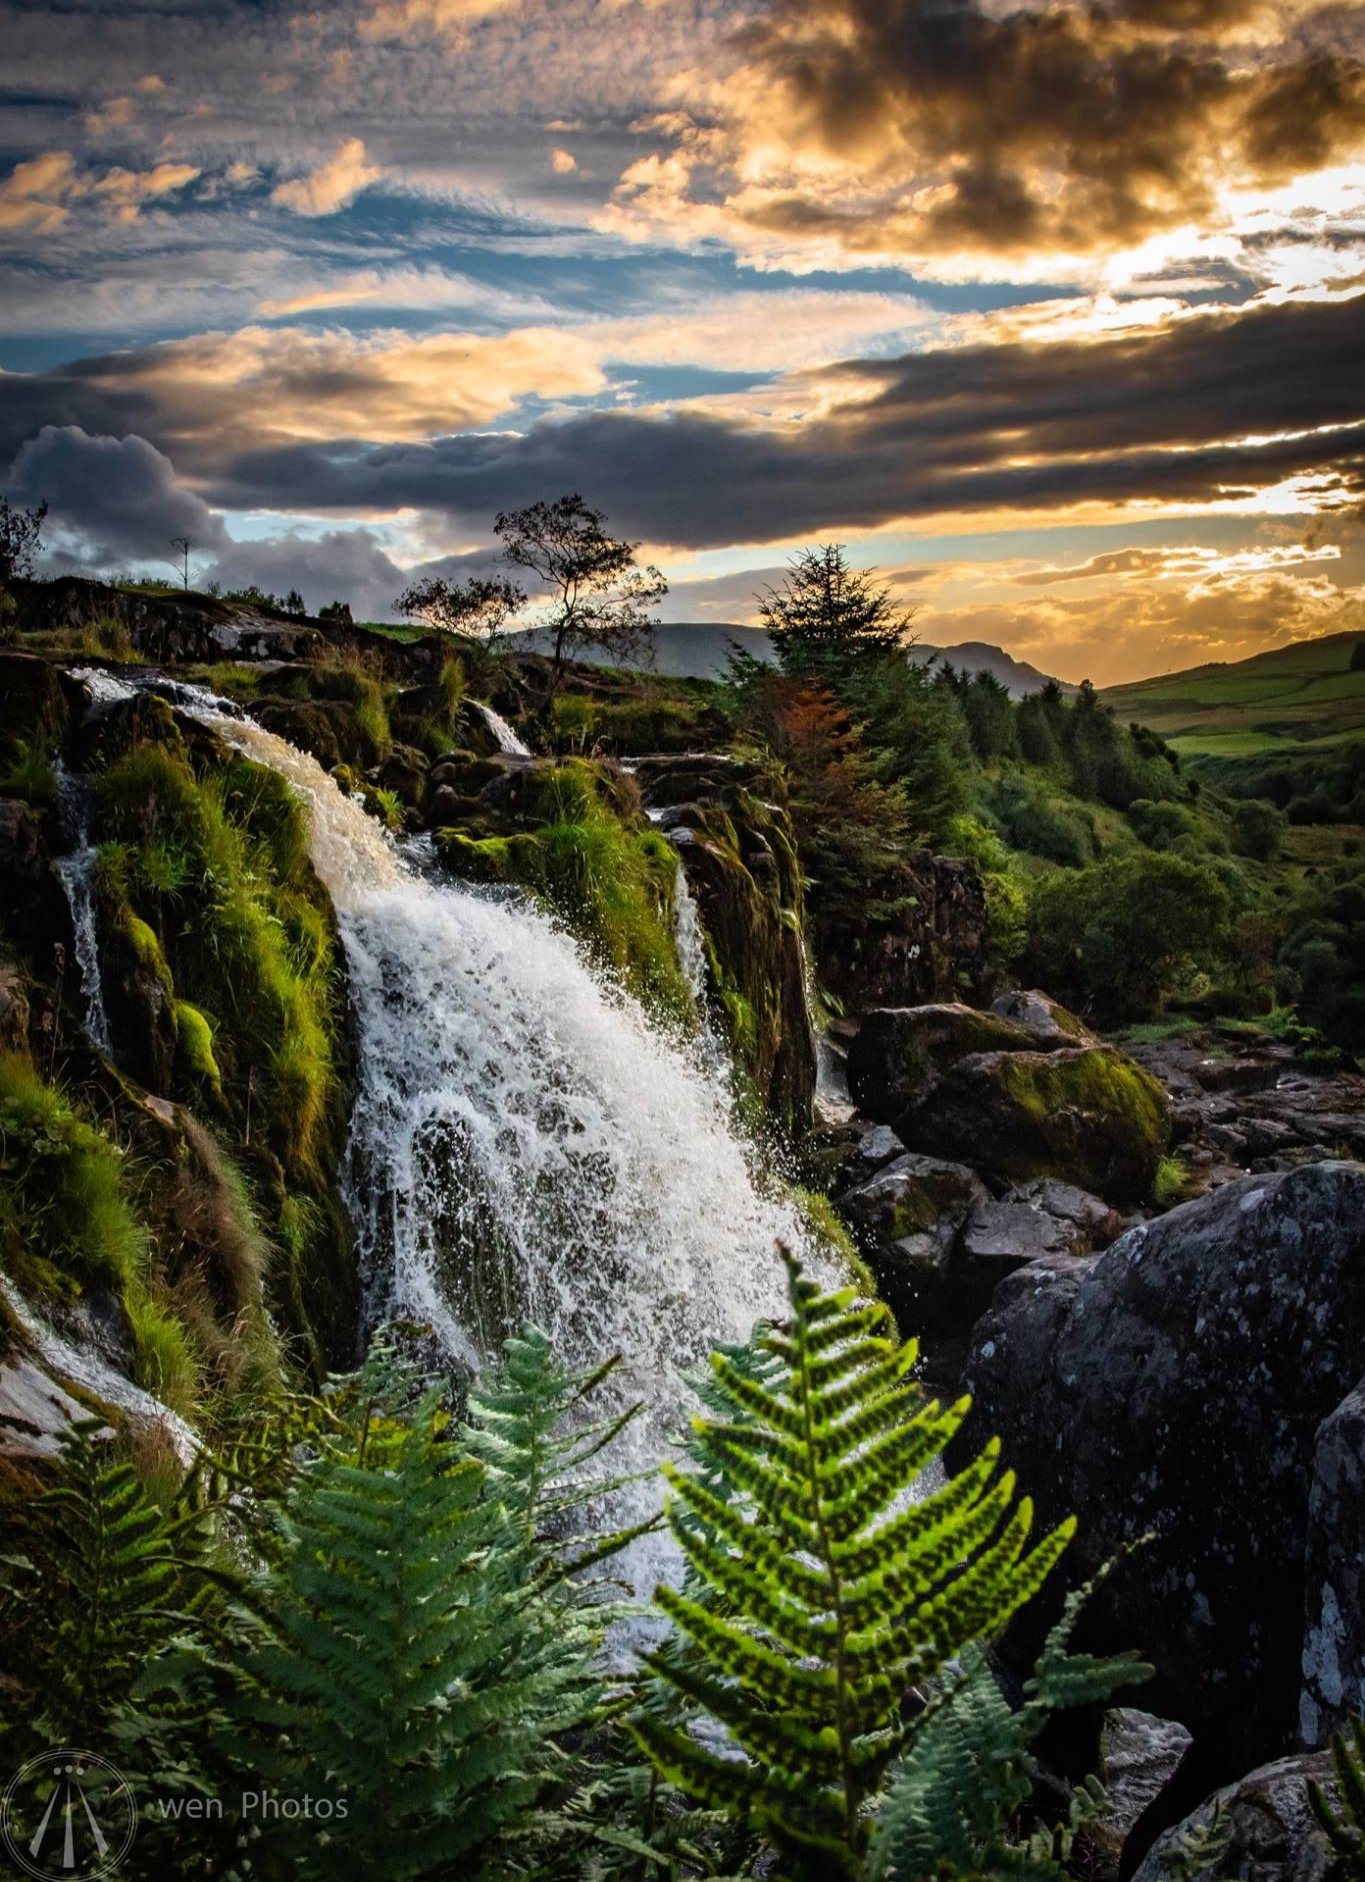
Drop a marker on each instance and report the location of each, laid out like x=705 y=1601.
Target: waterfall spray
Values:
x=524 y=1144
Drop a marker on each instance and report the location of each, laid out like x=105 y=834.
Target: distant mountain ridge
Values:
x=701 y=649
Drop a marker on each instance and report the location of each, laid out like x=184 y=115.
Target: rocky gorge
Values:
x=330 y=1009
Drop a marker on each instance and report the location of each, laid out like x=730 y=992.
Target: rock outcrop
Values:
x=934 y=950
x=736 y=844
x=1015 y=1100
x=1259 y=1829
x=1170 y=1393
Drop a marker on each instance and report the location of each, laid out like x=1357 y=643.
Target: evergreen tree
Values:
x=826 y=617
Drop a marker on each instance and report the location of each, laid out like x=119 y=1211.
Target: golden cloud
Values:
x=331 y=185
x=950 y=129
x=38 y=195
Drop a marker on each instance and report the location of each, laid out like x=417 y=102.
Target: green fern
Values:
x=828 y=1598
x=407 y=1666
x=527 y=1427
x=1343 y=1823
x=103 y=1580
x=969 y=1769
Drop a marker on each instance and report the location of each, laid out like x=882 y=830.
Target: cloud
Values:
x=452 y=19
x=563 y=162
x=933 y=128
x=348 y=565
x=33 y=196
x=112 y=498
x=38 y=195
x=331 y=185
x=1182 y=561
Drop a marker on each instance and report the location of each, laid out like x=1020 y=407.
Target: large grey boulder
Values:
x=1169 y=1393
x=1261 y=1829
x=1139 y=1755
x=1334 y=1631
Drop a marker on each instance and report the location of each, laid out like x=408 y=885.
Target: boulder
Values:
x=1170 y=1391
x=1038 y=1013
x=1085 y=1114
x=907 y=1219
x=1259 y=1829
x=1044 y=1217
x=899 y=1049
x=1334 y=1632
x=1139 y=1755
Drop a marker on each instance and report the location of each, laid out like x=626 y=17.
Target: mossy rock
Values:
x=899 y=1049
x=1085 y=1114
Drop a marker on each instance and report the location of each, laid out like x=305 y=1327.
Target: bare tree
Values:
x=477 y=609
x=599 y=597
x=182 y=561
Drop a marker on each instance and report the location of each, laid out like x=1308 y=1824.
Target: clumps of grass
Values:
x=211 y=874
x=1172 y=1184
x=611 y=881
x=65 y=1223
x=28 y=773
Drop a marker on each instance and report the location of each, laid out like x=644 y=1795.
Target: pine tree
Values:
x=820 y=1597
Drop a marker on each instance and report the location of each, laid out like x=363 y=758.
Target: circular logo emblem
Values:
x=68 y=1816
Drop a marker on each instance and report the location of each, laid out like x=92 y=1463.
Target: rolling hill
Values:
x=700 y=650
x=1306 y=694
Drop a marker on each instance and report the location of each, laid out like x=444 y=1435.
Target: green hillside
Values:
x=1269 y=706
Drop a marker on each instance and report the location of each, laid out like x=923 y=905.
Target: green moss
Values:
x=238 y=926
x=65 y=1223
x=163 y=1358
x=588 y=857
x=194 y=1044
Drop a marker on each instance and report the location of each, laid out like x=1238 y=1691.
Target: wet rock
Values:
x=907 y=1219
x=1261 y=1827
x=898 y=1050
x=1086 y=1115
x=1172 y=1388
x=1038 y=1013
x=1334 y=1634
x=34 y=1410
x=1139 y=1754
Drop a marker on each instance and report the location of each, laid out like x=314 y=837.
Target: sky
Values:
x=1054 y=314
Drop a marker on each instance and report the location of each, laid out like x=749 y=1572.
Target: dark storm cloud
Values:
x=114 y=497
x=1167 y=413
x=1074 y=126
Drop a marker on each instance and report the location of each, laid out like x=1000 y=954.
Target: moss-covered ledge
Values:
x=574 y=835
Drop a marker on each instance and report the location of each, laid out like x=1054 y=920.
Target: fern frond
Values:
x=815 y=1598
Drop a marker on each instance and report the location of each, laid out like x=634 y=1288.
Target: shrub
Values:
x=1129 y=932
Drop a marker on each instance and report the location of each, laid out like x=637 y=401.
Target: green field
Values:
x=1304 y=695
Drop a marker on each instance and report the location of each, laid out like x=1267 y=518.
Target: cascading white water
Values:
x=524 y=1144
x=688 y=936
x=502 y=732
x=76 y=871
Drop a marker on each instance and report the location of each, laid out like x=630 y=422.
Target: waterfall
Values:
x=76 y=871
x=524 y=1144
x=688 y=936
x=502 y=731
